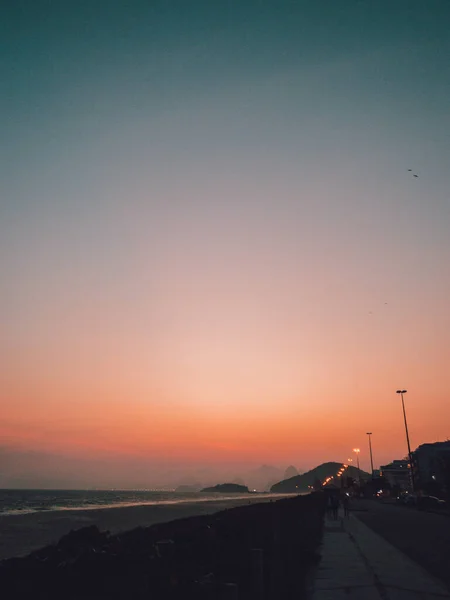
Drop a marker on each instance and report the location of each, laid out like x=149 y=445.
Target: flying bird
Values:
x=415 y=175
x=409 y=169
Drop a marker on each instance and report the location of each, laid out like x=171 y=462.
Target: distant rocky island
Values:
x=227 y=488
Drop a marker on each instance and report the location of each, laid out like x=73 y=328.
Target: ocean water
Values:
x=16 y=502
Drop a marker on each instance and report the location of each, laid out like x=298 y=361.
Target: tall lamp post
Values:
x=369 y=433
x=401 y=392
x=357 y=451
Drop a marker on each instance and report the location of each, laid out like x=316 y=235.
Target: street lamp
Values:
x=369 y=433
x=357 y=451
x=401 y=392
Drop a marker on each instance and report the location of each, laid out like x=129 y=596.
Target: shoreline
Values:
x=19 y=512
x=21 y=534
x=250 y=547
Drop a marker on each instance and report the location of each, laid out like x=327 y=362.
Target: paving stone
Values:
x=407 y=594
x=358 y=564
x=368 y=593
x=392 y=567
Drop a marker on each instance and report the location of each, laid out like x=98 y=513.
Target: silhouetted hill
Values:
x=227 y=488
x=290 y=472
x=239 y=481
x=300 y=483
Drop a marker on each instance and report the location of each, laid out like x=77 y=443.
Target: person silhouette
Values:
x=346 y=504
x=330 y=507
x=335 y=505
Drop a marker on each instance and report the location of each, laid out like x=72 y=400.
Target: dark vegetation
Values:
x=270 y=546
x=227 y=488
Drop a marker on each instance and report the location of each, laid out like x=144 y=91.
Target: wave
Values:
x=32 y=502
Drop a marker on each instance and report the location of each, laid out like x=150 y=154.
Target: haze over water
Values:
x=212 y=252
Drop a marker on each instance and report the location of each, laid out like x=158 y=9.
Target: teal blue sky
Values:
x=225 y=175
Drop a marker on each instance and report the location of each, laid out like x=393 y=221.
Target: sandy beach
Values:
x=21 y=534
x=250 y=546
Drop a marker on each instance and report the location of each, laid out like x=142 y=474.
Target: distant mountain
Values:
x=290 y=472
x=300 y=483
x=259 y=478
x=227 y=488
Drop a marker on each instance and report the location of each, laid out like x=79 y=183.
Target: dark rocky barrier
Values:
x=256 y=552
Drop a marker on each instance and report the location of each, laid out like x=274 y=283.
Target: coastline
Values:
x=21 y=534
x=250 y=547
x=207 y=497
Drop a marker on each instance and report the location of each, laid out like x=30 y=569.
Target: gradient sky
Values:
x=212 y=251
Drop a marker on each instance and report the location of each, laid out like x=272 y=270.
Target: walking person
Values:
x=335 y=507
x=329 y=507
x=346 y=504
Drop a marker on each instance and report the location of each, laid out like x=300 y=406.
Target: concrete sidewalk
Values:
x=358 y=564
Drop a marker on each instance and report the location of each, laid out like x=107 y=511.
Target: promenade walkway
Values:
x=358 y=564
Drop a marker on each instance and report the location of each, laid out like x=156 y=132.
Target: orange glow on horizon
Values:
x=275 y=431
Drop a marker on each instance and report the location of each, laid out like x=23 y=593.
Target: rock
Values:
x=85 y=538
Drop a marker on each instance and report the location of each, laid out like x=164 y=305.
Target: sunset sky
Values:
x=212 y=250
